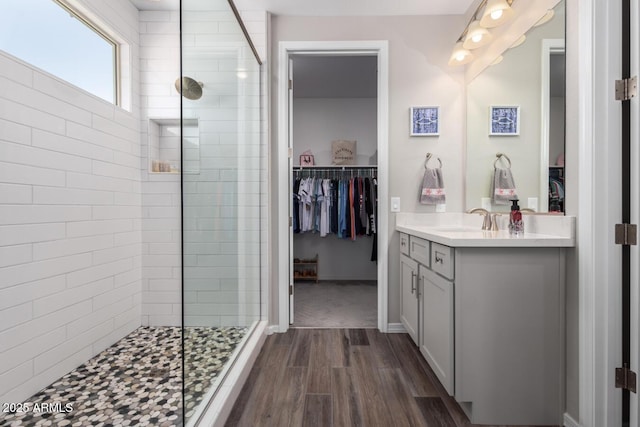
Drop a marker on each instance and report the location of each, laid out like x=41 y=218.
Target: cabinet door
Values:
x=436 y=328
x=409 y=295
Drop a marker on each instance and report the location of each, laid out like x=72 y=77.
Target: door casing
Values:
x=347 y=48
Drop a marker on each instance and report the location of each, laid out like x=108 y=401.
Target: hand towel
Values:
x=432 y=191
x=503 y=187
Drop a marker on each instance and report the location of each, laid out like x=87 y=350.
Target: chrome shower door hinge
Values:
x=626 y=88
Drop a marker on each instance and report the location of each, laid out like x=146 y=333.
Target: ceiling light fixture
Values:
x=460 y=55
x=545 y=18
x=496 y=13
x=518 y=42
x=475 y=35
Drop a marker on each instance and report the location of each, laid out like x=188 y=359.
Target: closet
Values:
x=334 y=195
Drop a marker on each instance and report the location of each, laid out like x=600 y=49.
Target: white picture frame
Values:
x=504 y=120
x=424 y=121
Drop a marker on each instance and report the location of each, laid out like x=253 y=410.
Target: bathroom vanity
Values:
x=487 y=312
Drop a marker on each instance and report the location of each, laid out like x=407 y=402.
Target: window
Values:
x=48 y=35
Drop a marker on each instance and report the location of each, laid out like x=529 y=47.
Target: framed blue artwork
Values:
x=425 y=121
x=504 y=120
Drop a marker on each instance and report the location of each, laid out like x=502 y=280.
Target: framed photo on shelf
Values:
x=425 y=121
x=504 y=120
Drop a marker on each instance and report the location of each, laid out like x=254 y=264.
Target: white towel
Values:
x=503 y=187
x=432 y=191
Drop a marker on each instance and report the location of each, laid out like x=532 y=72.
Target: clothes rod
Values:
x=334 y=167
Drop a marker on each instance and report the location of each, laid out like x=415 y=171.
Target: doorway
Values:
x=334 y=141
x=304 y=249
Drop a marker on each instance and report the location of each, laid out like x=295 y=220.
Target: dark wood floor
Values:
x=343 y=377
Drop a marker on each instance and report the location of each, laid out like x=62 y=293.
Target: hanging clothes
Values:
x=345 y=207
x=296 y=206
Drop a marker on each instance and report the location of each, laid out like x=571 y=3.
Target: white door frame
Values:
x=380 y=50
x=599 y=209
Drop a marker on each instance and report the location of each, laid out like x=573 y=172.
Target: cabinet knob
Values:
x=439 y=259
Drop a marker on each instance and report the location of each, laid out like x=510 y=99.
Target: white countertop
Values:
x=464 y=230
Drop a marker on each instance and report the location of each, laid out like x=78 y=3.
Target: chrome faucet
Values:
x=494 y=221
x=486 y=223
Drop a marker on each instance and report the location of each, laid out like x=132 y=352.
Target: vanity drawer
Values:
x=419 y=250
x=404 y=244
x=442 y=260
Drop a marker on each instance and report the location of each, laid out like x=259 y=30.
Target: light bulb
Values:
x=496 y=14
x=476 y=37
x=460 y=55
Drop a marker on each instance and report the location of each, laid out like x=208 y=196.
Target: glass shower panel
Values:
x=221 y=202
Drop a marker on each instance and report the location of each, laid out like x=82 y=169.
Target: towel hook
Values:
x=498 y=156
x=429 y=155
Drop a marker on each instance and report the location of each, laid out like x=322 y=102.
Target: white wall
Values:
x=556 y=128
x=419 y=48
x=161 y=257
x=70 y=219
x=318 y=121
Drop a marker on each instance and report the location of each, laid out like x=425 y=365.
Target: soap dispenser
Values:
x=516 y=226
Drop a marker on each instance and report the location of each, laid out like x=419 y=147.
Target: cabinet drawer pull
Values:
x=439 y=259
x=413 y=282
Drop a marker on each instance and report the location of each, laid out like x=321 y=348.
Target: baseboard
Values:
x=396 y=328
x=569 y=421
x=272 y=329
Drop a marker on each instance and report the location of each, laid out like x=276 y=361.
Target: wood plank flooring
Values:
x=343 y=377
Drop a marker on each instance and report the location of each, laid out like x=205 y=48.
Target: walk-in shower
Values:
x=130 y=277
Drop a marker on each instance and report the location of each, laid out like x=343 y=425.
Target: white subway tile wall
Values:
x=89 y=237
x=223 y=176
x=70 y=219
x=161 y=237
x=222 y=201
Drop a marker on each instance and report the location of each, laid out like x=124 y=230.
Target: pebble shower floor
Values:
x=135 y=382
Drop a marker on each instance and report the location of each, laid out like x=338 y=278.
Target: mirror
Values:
x=530 y=82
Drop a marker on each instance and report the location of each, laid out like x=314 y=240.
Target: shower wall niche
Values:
x=164 y=146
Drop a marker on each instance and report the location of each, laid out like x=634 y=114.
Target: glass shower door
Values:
x=221 y=201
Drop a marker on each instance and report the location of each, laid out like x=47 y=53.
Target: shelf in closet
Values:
x=305 y=269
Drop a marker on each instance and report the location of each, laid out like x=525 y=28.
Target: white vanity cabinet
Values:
x=409 y=296
x=427 y=302
x=436 y=333
x=509 y=334
x=489 y=320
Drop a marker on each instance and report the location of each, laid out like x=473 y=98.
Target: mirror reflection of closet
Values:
x=530 y=76
x=553 y=122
